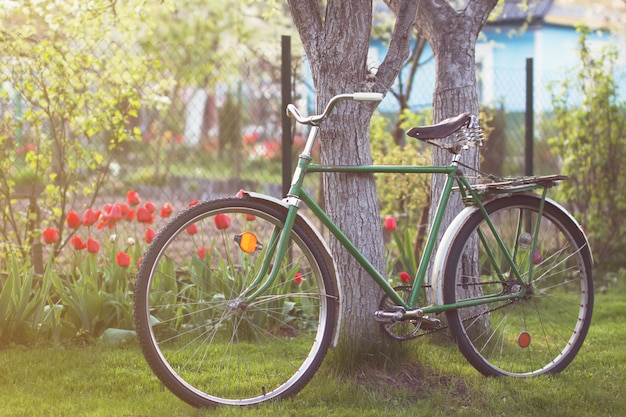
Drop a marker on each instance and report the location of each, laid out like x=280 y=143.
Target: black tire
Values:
x=542 y=331
x=204 y=345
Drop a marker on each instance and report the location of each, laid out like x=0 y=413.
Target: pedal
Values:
x=429 y=323
x=390 y=316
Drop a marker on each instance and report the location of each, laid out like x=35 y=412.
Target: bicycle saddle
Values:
x=440 y=130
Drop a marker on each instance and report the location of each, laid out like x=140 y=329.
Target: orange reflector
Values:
x=524 y=339
x=248 y=242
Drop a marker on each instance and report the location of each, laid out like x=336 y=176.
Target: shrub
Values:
x=401 y=195
x=67 y=110
x=592 y=126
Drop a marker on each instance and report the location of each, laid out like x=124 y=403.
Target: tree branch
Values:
x=479 y=11
x=307 y=17
x=434 y=16
x=398 y=50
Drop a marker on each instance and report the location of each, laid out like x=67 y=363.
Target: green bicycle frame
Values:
x=279 y=241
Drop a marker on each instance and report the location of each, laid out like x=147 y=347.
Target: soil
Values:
x=414 y=382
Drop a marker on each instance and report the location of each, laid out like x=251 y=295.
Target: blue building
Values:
x=550 y=38
x=546 y=32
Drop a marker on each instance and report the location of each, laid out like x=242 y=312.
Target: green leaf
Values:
x=117 y=337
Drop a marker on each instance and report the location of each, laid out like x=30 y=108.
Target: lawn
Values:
x=436 y=381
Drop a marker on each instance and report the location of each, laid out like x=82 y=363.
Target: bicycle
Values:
x=237 y=300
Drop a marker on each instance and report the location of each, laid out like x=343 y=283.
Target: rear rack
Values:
x=518 y=184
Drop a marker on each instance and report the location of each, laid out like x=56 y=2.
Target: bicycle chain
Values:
x=426 y=333
x=438 y=329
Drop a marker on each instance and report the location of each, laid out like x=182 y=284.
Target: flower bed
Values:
x=87 y=285
x=86 y=289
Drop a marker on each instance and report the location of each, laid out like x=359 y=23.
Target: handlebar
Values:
x=315 y=120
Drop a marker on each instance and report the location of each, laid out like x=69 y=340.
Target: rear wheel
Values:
x=542 y=329
x=198 y=336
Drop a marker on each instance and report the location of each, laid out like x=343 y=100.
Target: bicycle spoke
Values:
x=203 y=338
x=541 y=328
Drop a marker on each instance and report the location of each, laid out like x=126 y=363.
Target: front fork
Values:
x=275 y=250
x=278 y=245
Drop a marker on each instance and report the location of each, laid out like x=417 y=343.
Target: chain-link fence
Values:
x=82 y=124
x=187 y=140
x=175 y=126
x=507 y=108
x=221 y=131
x=214 y=139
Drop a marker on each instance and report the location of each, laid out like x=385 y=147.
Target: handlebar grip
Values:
x=292 y=111
x=367 y=96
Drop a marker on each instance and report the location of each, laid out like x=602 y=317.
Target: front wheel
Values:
x=200 y=334
x=540 y=322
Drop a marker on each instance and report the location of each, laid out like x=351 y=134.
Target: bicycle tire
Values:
x=205 y=346
x=542 y=331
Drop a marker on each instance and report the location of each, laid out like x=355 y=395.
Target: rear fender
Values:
x=443 y=250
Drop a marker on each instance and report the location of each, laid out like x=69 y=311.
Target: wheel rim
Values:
x=542 y=330
x=211 y=346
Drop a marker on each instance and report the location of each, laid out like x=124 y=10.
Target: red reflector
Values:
x=524 y=339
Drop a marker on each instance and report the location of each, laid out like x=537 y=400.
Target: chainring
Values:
x=401 y=330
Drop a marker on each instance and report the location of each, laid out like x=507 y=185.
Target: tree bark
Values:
x=452 y=36
x=337 y=47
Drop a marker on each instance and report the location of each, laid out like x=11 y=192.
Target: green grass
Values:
x=108 y=381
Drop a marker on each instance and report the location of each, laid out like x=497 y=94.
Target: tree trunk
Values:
x=452 y=36
x=351 y=201
x=337 y=48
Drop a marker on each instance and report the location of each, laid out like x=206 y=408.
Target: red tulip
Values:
x=193 y=203
x=405 y=277
x=123 y=259
x=92 y=245
x=73 y=220
x=250 y=217
x=298 y=278
x=390 y=224
x=90 y=217
x=150 y=206
x=77 y=243
x=192 y=230
x=133 y=198
x=202 y=252
x=129 y=216
x=125 y=210
x=144 y=216
x=50 y=235
x=111 y=214
x=115 y=213
x=106 y=221
x=149 y=235
x=27 y=148
x=222 y=221
x=166 y=210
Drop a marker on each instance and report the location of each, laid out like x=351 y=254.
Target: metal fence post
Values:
x=286 y=99
x=530 y=114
